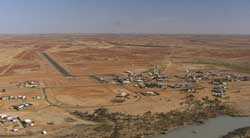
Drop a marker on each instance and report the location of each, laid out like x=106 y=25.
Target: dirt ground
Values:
x=85 y=56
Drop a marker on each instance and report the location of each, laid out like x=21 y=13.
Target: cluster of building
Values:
x=208 y=75
x=20 y=97
x=151 y=79
x=37 y=97
x=186 y=86
x=233 y=78
x=15 y=119
x=218 y=80
x=29 y=84
x=198 y=76
x=155 y=79
x=220 y=85
x=22 y=106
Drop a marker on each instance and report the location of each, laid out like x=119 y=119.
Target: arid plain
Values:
x=84 y=73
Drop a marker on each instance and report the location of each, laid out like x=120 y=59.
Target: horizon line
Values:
x=218 y=34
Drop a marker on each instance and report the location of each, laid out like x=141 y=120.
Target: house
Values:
x=2 y=116
x=12 y=118
x=44 y=132
x=4 y=98
x=31 y=84
x=14 y=129
x=155 y=85
x=6 y=118
x=125 y=81
x=150 y=93
x=22 y=106
x=122 y=80
x=141 y=85
x=13 y=97
x=27 y=122
x=122 y=94
x=218 y=94
x=245 y=78
x=22 y=97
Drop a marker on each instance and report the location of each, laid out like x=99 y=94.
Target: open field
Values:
x=81 y=73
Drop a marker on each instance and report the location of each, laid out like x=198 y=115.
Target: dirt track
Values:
x=57 y=66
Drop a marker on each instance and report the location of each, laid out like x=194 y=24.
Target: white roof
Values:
x=44 y=132
x=150 y=92
x=123 y=94
x=15 y=129
x=3 y=116
x=27 y=121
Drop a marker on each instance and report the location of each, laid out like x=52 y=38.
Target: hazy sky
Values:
x=125 y=16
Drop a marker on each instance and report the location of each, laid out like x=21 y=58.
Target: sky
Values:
x=125 y=16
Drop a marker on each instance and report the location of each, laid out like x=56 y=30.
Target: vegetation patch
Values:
x=239 y=133
x=121 y=125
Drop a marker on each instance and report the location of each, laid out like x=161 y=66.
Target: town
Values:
x=46 y=89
